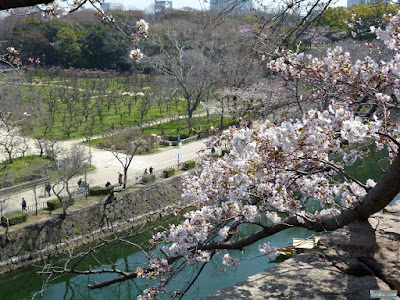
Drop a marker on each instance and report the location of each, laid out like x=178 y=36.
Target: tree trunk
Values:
x=125 y=177
x=222 y=117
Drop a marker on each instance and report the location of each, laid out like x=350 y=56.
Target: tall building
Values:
x=162 y=5
x=358 y=2
x=224 y=4
x=112 y=6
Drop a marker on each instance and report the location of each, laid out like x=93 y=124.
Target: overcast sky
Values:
x=198 y=4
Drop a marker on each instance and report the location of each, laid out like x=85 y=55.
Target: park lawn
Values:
x=171 y=127
x=118 y=82
x=23 y=169
x=116 y=116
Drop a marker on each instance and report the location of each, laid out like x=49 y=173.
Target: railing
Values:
x=40 y=205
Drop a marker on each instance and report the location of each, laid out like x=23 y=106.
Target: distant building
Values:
x=224 y=4
x=358 y=2
x=112 y=6
x=161 y=5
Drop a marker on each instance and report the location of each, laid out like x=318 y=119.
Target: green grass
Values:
x=171 y=127
x=115 y=113
x=23 y=169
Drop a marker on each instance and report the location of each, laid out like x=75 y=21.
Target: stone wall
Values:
x=118 y=211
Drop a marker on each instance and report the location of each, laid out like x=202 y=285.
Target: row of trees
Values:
x=89 y=44
x=183 y=61
x=371 y=14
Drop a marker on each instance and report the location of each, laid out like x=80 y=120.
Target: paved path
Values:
x=107 y=168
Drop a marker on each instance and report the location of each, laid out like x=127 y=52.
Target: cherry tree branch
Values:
x=7 y=4
x=377 y=198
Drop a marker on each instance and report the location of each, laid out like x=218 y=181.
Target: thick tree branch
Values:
x=7 y=4
x=377 y=198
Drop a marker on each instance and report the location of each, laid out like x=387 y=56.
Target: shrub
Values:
x=190 y=164
x=149 y=178
x=104 y=143
x=15 y=218
x=175 y=137
x=54 y=204
x=168 y=172
x=215 y=155
x=99 y=190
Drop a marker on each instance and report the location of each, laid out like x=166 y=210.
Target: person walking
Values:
x=119 y=178
x=23 y=204
x=151 y=170
x=48 y=188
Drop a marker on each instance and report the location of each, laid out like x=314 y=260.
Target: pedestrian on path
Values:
x=23 y=203
x=48 y=188
x=151 y=170
x=119 y=178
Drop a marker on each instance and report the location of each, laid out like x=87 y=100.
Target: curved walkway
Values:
x=107 y=168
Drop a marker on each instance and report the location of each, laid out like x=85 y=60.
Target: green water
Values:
x=24 y=283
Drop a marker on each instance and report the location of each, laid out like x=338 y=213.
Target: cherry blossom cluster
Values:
x=142 y=28
x=268 y=250
x=12 y=56
x=56 y=9
x=136 y=54
x=390 y=35
x=277 y=170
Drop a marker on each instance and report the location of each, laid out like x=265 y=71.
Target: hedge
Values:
x=190 y=164
x=100 y=190
x=168 y=172
x=15 y=218
x=215 y=155
x=54 y=204
x=175 y=137
x=149 y=178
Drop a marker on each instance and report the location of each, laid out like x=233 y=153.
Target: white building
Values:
x=224 y=4
x=358 y=2
x=162 y=5
x=112 y=6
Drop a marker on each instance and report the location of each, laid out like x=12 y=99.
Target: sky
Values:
x=198 y=4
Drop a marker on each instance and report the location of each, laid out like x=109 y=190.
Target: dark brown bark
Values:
x=7 y=4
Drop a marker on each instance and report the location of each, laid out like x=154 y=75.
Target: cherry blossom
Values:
x=273 y=171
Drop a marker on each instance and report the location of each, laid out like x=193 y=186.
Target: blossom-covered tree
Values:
x=269 y=175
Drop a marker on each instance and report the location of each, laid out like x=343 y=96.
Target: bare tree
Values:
x=9 y=137
x=145 y=104
x=124 y=145
x=35 y=197
x=52 y=149
x=69 y=164
x=188 y=59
